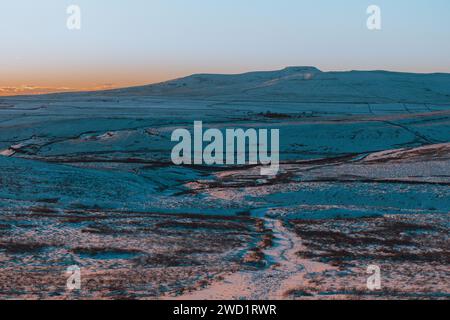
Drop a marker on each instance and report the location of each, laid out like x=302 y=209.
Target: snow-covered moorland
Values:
x=87 y=179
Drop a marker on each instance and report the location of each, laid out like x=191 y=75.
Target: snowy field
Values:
x=86 y=179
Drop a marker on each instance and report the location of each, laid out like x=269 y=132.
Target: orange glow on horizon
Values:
x=35 y=90
x=33 y=82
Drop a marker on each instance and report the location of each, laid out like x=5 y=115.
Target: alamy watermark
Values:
x=74 y=280
x=374 y=19
x=374 y=280
x=74 y=19
x=236 y=147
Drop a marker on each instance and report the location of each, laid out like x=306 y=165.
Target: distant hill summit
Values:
x=304 y=84
x=217 y=84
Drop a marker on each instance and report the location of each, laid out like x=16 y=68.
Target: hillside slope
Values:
x=305 y=84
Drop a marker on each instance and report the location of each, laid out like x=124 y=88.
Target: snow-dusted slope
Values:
x=87 y=179
x=306 y=84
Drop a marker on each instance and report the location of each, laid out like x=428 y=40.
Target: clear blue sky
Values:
x=141 y=41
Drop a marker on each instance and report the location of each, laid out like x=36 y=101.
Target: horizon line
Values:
x=111 y=87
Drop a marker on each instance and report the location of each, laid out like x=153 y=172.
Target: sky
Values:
x=134 y=42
